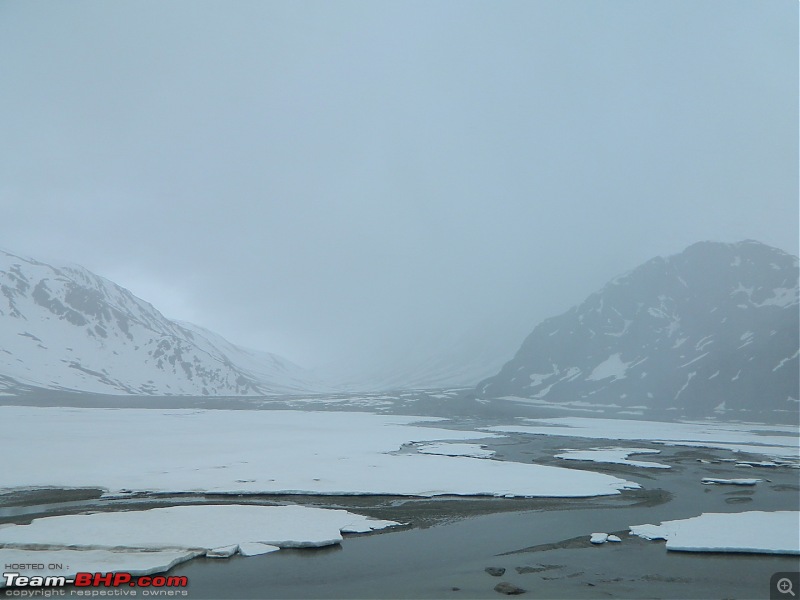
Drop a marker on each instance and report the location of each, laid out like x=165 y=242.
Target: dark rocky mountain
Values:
x=712 y=331
x=65 y=328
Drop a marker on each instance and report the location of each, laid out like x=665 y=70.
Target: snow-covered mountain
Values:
x=66 y=328
x=712 y=330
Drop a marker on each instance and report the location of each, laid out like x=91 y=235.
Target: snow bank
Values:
x=273 y=452
x=759 y=532
x=613 y=455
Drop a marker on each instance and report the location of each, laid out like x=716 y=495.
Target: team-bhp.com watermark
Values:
x=94 y=585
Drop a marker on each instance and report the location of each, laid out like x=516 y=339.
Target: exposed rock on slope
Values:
x=712 y=330
x=69 y=329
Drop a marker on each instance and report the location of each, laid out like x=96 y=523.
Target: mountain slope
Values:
x=67 y=328
x=442 y=371
x=711 y=330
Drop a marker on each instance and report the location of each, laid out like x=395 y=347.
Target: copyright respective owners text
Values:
x=27 y=583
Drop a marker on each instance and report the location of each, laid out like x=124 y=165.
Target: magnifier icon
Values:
x=784 y=586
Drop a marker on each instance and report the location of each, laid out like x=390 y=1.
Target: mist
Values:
x=360 y=186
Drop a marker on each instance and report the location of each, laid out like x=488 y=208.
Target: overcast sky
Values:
x=362 y=182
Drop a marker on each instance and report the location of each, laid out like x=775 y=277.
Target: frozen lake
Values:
x=542 y=542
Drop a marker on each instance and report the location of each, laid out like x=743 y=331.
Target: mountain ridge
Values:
x=66 y=328
x=660 y=335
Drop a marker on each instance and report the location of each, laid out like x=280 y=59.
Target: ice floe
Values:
x=715 y=480
x=613 y=455
x=471 y=450
x=154 y=540
x=599 y=538
x=774 y=440
x=755 y=531
x=257 y=548
x=265 y=451
x=224 y=552
x=216 y=528
x=758 y=463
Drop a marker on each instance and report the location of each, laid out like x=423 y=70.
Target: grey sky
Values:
x=358 y=182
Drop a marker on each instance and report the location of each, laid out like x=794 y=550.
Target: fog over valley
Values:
x=370 y=188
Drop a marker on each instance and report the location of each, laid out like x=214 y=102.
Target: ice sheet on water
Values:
x=448 y=449
x=257 y=548
x=153 y=541
x=718 y=481
x=775 y=441
x=217 y=528
x=223 y=552
x=755 y=531
x=614 y=456
x=286 y=452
